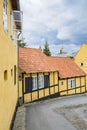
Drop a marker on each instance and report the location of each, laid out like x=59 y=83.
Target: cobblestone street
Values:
x=19 y=123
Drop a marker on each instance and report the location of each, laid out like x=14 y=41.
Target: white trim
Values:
x=34 y=83
x=41 y=81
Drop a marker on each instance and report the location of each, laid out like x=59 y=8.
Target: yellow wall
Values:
x=63 y=86
x=79 y=83
x=8 y=58
x=56 y=86
x=41 y=93
x=81 y=57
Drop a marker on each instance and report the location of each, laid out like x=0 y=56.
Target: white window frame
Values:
x=34 y=83
x=5 y=15
x=71 y=82
x=41 y=81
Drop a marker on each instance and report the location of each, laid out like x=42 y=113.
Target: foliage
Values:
x=46 y=49
x=71 y=57
x=21 y=43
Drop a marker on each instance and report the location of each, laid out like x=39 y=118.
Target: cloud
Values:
x=55 y=21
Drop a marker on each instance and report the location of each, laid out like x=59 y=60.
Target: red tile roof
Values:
x=67 y=67
x=34 y=60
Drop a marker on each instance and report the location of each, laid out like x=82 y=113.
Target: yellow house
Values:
x=8 y=63
x=81 y=57
x=36 y=75
x=42 y=76
x=72 y=80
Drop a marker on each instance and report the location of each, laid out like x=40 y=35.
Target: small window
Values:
x=11 y=72
x=5 y=75
x=41 y=81
x=5 y=19
x=81 y=64
x=34 y=83
x=62 y=83
x=20 y=77
x=14 y=74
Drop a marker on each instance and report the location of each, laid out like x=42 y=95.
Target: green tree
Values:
x=72 y=57
x=21 y=43
x=46 y=49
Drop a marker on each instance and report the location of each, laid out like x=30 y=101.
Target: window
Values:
x=5 y=75
x=14 y=74
x=41 y=82
x=5 y=20
x=20 y=77
x=62 y=83
x=71 y=83
x=34 y=83
x=28 y=84
x=46 y=81
x=81 y=64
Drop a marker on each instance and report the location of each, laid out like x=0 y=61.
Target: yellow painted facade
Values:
x=43 y=92
x=8 y=59
x=81 y=59
x=58 y=87
x=66 y=88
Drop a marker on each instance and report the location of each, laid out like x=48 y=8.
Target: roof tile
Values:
x=33 y=60
x=67 y=67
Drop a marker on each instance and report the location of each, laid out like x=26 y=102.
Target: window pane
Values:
x=46 y=81
x=73 y=84
x=34 y=81
x=5 y=20
x=28 y=84
x=70 y=83
x=41 y=81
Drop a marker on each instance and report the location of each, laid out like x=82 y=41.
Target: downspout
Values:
x=18 y=61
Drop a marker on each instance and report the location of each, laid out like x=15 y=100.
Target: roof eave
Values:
x=15 y=4
x=70 y=77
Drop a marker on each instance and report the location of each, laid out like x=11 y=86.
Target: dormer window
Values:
x=5 y=20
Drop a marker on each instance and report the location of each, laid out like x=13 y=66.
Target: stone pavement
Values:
x=19 y=123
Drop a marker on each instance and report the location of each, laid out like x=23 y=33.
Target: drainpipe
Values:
x=18 y=61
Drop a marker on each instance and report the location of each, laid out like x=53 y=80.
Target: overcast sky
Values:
x=60 y=22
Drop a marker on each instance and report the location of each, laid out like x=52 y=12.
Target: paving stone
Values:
x=19 y=123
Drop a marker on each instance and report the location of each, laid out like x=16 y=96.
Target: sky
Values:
x=63 y=23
